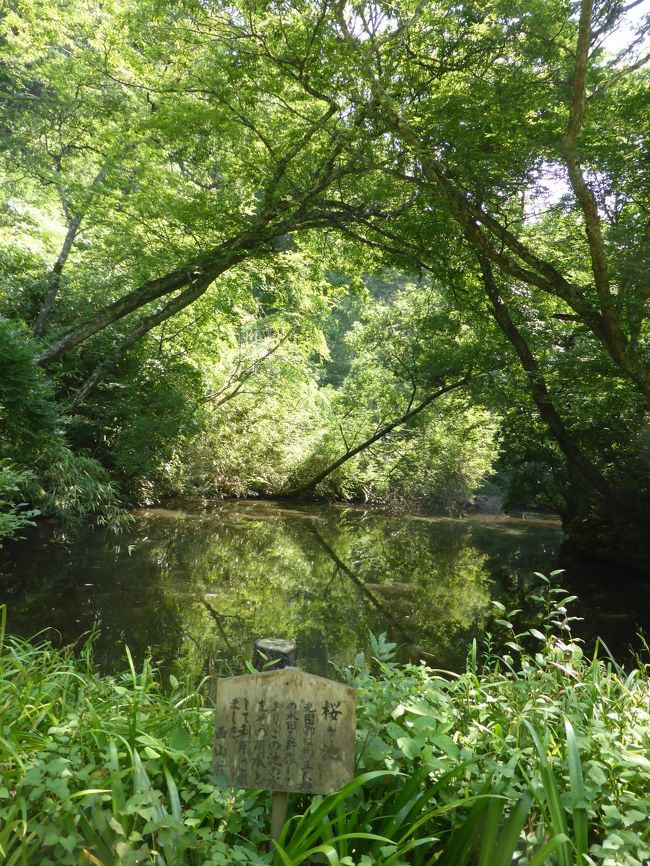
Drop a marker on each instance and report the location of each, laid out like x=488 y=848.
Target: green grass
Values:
x=539 y=756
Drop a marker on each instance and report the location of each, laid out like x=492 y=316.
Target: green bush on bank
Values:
x=15 y=514
x=39 y=472
x=536 y=756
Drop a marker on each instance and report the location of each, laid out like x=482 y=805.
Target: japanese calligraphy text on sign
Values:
x=284 y=730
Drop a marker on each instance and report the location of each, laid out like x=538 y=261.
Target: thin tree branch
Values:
x=54 y=281
x=242 y=377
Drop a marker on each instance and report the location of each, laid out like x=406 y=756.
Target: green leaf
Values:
x=579 y=798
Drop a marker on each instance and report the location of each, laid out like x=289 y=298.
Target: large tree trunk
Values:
x=219 y=262
x=170 y=309
x=618 y=345
x=625 y=503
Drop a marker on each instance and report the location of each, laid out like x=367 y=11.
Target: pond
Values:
x=199 y=583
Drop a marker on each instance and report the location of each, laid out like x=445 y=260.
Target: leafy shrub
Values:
x=74 y=487
x=14 y=513
x=108 y=770
x=140 y=423
x=540 y=721
x=39 y=465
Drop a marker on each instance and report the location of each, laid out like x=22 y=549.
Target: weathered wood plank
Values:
x=285 y=731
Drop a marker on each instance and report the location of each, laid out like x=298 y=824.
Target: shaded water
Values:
x=198 y=584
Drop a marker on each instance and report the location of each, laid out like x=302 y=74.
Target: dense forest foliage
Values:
x=372 y=250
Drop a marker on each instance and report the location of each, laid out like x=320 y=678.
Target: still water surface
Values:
x=198 y=584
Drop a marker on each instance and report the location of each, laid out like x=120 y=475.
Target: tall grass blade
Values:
x=309 y=825
x=129 y=658
x=174 y=799
x=118 y=798
x=556 y=813
x=494 y=812
x=327 y=849
x=460 y=846
x=510 y=835
x=578 y=795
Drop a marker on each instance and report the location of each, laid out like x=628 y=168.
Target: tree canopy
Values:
x=266 y=246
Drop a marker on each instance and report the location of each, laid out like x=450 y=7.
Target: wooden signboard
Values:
x=285 y=730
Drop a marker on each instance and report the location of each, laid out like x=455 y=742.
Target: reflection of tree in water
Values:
x=433 y=583
x=205 y=584
x=94 y=580
x=199 y=587
x=262 y=579
x=326 y=581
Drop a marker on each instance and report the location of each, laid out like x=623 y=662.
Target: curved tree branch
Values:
x=383 y=431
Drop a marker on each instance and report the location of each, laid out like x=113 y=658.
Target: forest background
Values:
x=374 y=251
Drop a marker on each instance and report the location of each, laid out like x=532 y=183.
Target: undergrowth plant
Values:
x=537 y=755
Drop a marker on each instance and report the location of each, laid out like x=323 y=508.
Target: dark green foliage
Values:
x=141 y=423
x=28 y=413
x=37 y=464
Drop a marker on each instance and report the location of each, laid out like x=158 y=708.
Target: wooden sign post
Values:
x=284 y=730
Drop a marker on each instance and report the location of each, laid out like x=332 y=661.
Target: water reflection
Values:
x=197 y=585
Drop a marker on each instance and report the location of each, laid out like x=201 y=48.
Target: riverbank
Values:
x=541 y=750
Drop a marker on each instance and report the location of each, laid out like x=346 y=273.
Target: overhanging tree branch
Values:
x=196 y=289
x=277 y=215
x=380 y=434
x=221 y=259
